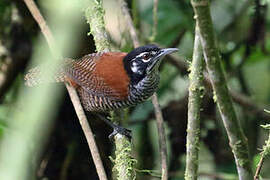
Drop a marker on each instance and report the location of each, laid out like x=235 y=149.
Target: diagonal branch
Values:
x=72 y=92
x=264 y=153
x=130 y=25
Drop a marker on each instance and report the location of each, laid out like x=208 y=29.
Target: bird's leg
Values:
x=116 y=128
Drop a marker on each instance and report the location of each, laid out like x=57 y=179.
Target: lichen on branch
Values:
x=94 y=15
x=196 y=92
x=237 y=139
x=124 y=162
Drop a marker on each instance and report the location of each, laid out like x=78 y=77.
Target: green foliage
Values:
x=172 y=18
x=5 y=17
x=266 y=147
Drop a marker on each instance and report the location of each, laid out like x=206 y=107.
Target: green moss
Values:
x=214 y=96
x=267 y=126
x=94 y=14
x=266 y=147
x=243 y=161
x=202 y=91
x=124 y=162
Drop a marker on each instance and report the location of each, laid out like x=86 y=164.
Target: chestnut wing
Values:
x=87 y=73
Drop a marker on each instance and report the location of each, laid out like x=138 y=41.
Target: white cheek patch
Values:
x=134 y=68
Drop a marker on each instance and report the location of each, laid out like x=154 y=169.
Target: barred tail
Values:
x=36 y=76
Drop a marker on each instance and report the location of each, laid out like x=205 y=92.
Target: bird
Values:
x=108 y=81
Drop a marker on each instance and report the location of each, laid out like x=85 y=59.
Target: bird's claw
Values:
x=116 y=128
x=120 y=130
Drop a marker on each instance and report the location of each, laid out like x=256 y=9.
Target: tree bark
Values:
x=196 y=90
x=237 y=139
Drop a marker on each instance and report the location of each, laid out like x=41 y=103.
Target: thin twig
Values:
x=264 y=153
x=129 y=22
x=155 y=20
x=87 y=131
x=72 y=92
x=259 y=167
x=31 y=5
x=161 y=138
x=158 y=112
x=196 y=90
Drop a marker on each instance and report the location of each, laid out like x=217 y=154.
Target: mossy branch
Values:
x=94 y=15
x=238 y=141
x=265 y=152
x=196 y=92
x=124 y=162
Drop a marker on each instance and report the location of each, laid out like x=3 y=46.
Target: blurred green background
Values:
x=243 y=31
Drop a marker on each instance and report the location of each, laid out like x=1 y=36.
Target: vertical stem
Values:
x=194 y=105
x=124 y=162
x=135 y=14
x=155 y=20
x=158 y=112
x=237 y=139
x=94 y=14
x=161 y=138
x=132 y=30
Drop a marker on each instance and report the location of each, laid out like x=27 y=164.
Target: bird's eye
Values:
x=146 y=56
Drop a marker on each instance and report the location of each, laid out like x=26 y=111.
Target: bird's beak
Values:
x=156 y=60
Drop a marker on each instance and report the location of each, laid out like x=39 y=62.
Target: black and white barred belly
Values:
x=137 y=94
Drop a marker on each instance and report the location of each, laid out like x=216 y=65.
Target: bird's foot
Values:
x=116 y=128
x=120 y=130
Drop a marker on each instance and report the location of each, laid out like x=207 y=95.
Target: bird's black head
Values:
x=144 y=61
